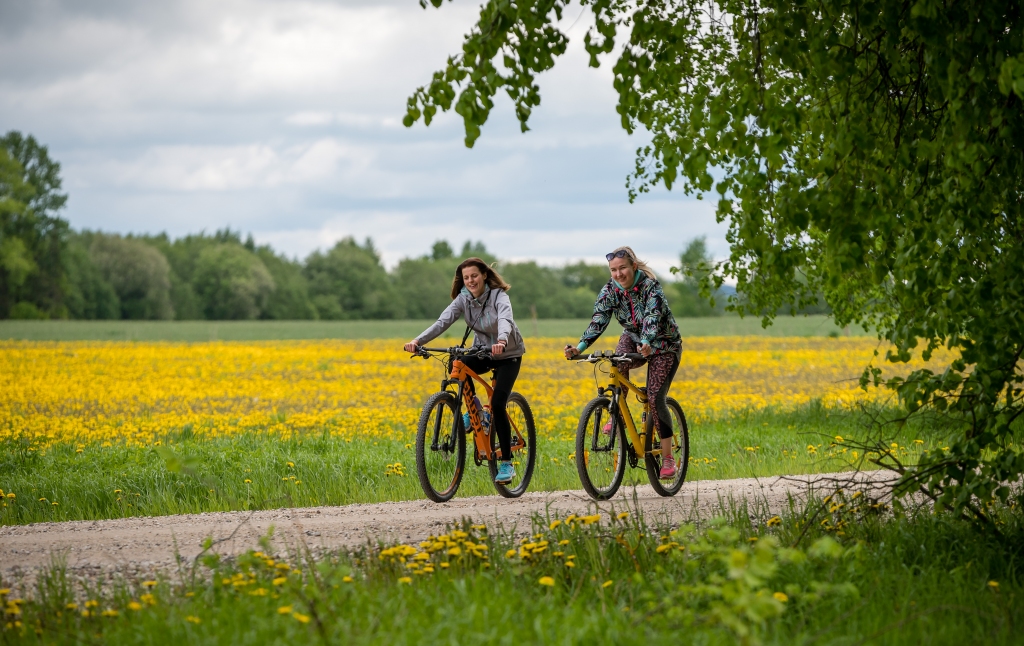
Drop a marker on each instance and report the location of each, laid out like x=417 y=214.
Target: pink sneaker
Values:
x=668 y=468
x=607 y=430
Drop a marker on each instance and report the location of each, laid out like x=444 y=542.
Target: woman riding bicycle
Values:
x=635 y=297
x=479 y=295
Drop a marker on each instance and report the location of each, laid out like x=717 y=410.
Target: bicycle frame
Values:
x=464 y=377
x=619 y=386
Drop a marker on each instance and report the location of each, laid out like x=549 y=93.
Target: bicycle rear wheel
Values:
x=680 y=449
x=440 y=447
x=520 y=417
x=600 y=458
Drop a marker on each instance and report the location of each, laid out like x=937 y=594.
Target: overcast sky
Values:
x=283 y=119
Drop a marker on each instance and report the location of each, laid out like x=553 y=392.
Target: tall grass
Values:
x=190 y=474
x=869 y=578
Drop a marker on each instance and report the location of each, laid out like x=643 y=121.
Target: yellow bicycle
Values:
x=606 y=424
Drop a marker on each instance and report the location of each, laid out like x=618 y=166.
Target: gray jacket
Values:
x=490 y=317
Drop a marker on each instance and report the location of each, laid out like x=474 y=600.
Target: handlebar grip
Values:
x=633 y=356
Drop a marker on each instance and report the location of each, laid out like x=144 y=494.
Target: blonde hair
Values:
x=640 y=264
x=491 y=276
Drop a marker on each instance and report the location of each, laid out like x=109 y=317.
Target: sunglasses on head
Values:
x=621 y=253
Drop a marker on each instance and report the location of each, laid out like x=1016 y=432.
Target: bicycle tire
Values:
x=681 y=448
x=589 y=424
x=444 y=459
x=515 y=400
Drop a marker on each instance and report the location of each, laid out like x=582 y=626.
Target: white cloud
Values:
x=283 y=118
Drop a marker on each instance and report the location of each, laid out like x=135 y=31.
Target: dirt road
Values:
x=141 y=546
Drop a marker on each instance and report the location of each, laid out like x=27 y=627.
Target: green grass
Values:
x=190 y=474
x=274 y=330
x=907 y=579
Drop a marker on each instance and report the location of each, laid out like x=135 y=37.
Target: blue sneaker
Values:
x=506 y=472
x=466 y=421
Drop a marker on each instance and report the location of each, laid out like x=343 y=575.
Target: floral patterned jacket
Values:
x=643 y=312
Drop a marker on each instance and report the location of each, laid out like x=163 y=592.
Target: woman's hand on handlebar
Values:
x=571 y=352
x=411 y=346
x=646 y=350
x=498 y=348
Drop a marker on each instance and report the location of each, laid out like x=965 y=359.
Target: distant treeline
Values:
x=48 y=270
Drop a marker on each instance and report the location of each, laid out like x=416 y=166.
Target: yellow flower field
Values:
x=137 y=393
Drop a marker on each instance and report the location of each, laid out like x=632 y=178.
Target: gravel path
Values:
x=142 y=546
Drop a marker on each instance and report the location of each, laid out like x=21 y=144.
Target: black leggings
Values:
x=505 y=373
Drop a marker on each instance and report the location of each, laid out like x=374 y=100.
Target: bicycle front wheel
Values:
x=440 y=447
x=600 y=456
x=680 y=449
x=520 y=418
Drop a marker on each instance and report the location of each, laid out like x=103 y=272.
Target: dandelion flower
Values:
x=994 y=585
x=301 y=617
x=623 y=515
x=284 y=610
x=554 y=524
x=134 y=605
x=607 y=584
x=405 y=579
x=546 y=580
x=193 y=619
x=781 y=596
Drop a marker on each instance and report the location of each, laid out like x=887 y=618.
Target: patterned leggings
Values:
x=661 y=368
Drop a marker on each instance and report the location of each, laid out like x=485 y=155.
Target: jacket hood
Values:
x=478 y=301
x=640 y=278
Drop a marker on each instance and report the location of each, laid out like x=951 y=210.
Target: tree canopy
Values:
x=870 y=151
x=32 y=235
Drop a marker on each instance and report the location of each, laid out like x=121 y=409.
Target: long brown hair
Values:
x=492 y=277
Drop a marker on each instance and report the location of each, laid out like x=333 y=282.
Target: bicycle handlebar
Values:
x=473 y=351
x=608 y=355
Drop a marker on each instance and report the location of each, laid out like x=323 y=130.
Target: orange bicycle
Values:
x=441 y=433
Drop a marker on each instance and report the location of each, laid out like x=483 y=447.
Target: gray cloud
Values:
x=283 y=118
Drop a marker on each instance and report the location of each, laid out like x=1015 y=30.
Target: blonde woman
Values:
x=634 y=296
x=479 y=294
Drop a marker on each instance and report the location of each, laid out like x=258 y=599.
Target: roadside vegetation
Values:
x=846 y=569
x=184 y=473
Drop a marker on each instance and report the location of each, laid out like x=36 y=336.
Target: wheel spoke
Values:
x=523 y=448
x=599 y=457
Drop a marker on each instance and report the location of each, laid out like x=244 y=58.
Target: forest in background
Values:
x=49 y=270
